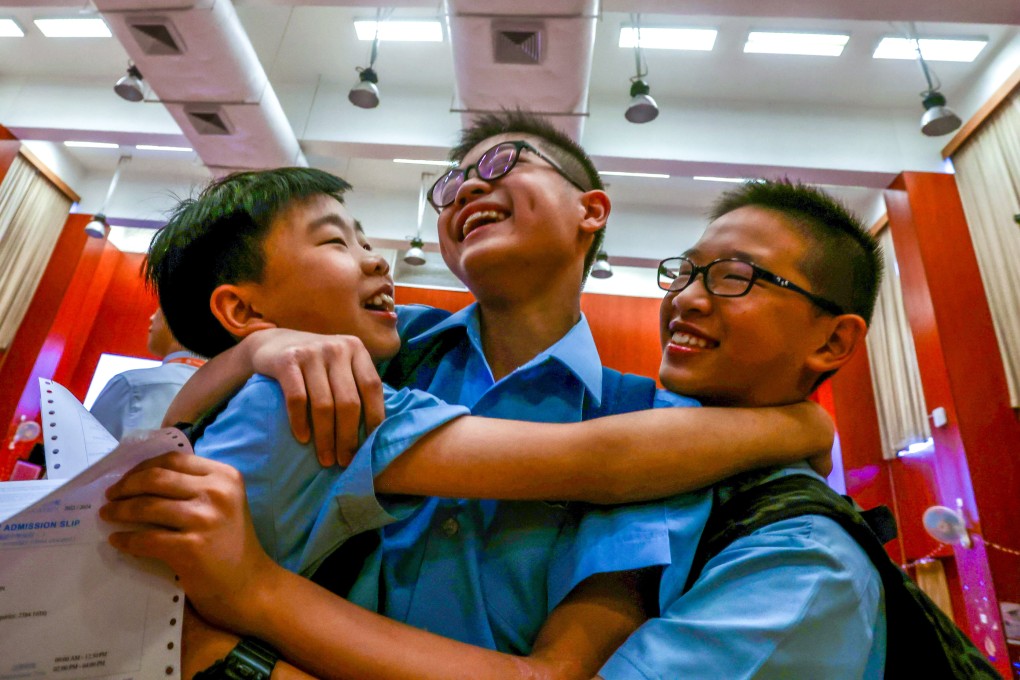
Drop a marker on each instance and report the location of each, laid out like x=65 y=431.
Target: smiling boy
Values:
x=277 y=245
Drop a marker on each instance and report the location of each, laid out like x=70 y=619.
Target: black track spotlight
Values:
x=938 y=119
x=601 y=269
x=365 y=94
x=131 y=87
x=97 y=227
x=642 y=107
x=415 y=255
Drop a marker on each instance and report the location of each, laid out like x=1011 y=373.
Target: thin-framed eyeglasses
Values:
x=493 y=164
x=730 y=277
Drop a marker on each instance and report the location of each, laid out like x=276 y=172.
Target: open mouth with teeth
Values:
x=481 y=218
x=380 y=302
x=687 y=340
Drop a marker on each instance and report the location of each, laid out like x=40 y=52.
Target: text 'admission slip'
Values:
x=71 y=606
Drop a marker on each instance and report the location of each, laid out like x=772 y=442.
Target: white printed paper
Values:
x=72 y=438
x=71 y=606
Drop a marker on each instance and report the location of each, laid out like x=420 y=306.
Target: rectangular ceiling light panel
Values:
x=73 y=28
x=932 y=49
x=405 y=31
x=810 y=44
x=91 y=145
x=620 y=173
x=660 y=38
x=9 y=28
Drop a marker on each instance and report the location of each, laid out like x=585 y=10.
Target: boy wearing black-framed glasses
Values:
x=516 y=218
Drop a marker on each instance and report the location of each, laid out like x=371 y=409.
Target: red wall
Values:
x=974 y=454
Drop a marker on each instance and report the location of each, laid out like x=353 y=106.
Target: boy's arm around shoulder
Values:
x=330 y=383
x=621 y=458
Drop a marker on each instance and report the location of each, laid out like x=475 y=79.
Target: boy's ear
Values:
x=845 y=333
x=596 y=210
x=233 y=306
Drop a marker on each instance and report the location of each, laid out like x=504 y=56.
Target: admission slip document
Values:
x=71 y=606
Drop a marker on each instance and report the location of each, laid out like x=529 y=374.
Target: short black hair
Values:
x=218 y=238
x=844 y=264
x=571 y=156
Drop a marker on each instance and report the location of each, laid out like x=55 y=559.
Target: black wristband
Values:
x=251 y=659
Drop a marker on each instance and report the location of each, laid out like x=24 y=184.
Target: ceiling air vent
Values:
x=156 y=36
x=517 y=42
x=208 y=120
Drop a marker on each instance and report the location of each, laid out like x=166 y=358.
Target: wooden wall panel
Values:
x=961 y=371
x=626 y=332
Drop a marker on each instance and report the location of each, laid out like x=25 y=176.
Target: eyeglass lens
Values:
x=722 y=277
x=494 y=163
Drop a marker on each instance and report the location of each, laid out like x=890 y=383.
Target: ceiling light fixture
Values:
x=131 y=85
x=695 y=39
x=98 y=227
x=807 y=44
x=9 y=28
x=415 y=255
x=938 y=119
x=73 y=28
x=643 y=108
x=365 y=95
x=413 y=161
x=91 y=145
x=156 y=147
x=602 y=269
x=400 y=31
x=933 y=49
x=732 y=180
x=620 y=173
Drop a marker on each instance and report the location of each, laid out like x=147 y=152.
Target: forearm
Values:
x=216 y=380
x=629 y=457
x=332 y=638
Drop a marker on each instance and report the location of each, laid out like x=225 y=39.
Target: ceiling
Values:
x=848 y=122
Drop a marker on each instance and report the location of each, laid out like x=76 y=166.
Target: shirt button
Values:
x=450 y=526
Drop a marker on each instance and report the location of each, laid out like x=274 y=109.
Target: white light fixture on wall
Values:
x=98 y=227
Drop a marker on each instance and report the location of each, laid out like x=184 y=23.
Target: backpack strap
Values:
x=921 y=640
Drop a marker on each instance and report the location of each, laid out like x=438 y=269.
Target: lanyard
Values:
x=190 y=361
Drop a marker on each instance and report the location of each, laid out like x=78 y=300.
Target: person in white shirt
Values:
x=138 y=399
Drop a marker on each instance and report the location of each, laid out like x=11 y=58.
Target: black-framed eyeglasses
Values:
x=729 y=277
x=493 y=164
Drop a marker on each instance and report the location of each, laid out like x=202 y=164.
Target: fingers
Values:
x=164 y=474
x=292 y=382
x=370 y=387
x=346 y=411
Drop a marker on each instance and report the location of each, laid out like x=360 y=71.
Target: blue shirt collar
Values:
x=575 y=351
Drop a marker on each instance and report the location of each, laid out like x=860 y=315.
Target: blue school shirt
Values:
x=796 y=599
x=295 y=504
x=488 y=572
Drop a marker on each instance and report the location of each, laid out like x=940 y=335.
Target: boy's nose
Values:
x=373 y=263
x=471 y=188
x=694 y=298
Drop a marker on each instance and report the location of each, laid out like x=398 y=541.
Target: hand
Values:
x=821 y=462
x=334 y=374
x=195 y=517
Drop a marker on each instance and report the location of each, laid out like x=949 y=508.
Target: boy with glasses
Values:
x=495 y=221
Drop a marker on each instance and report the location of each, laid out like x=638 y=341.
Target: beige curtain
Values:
x=988 y=176
x=899 y=397
x=32 y=215
x=931 y=578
